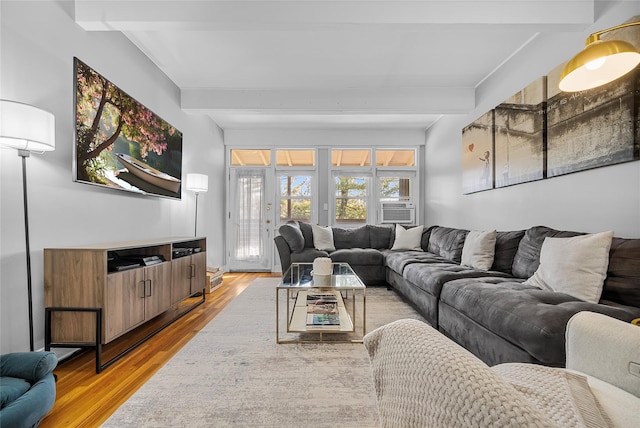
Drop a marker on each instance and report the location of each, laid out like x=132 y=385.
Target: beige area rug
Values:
x=233 y=374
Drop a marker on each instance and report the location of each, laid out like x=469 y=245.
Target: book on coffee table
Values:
x=323 y=319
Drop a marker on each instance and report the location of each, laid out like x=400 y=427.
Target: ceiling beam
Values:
x=153 y=15
x=384 y=100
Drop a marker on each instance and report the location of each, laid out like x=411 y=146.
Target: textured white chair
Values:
x=423 y=379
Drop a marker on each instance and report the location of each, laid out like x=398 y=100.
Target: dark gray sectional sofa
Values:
x=491 y=313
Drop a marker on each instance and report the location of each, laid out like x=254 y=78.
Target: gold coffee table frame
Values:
x=297 y=281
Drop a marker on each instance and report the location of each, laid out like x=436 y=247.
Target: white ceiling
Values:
x=331 y=63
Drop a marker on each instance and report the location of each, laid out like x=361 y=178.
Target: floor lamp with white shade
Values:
x=197 y=183
x=27 y=129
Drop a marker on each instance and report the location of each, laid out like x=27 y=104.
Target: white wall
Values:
x=601 y=199
x=38 y=43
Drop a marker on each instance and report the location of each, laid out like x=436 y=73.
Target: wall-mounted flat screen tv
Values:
x=121 y=144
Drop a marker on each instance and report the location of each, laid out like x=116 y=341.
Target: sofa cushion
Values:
x=323 y=238
x=430 y=277
x=623 y=277
x=447 y=242
x=426 y=235
x=407 y=239
x=479 y=249
x=506 y=247
x=351 y=238
x=380 y=236
x=576 y=266
x=307 y=255
x=307 y=232
x=397 y=261
x=529 y=318
x=358 y=256
x=293 y=235
x=11 y=389
x=527 y=257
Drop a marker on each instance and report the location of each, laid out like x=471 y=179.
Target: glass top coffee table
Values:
x=319 y=305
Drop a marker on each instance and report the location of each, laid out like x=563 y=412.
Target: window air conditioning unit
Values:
x=397 y=212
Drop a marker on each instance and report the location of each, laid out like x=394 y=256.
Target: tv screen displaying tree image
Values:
x=120 y=143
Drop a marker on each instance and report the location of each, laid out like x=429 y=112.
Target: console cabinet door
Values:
x=181 y=279
x=157 y=289
x=125 y=302
x=199 y=272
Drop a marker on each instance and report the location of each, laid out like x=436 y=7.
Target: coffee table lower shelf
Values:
x=297 y=318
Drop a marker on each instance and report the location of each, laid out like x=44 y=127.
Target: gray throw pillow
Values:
x=293 y=235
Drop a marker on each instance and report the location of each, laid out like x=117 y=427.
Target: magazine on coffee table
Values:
x=322 y=308
x=317 y=298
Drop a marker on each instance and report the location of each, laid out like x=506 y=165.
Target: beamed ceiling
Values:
x=331 y=63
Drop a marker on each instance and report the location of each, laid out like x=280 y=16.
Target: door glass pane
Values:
x=395 y=157
x=351 y=199
x=250 y=209
x=295 y=157
x=351 y=157
x=250 y=157
x=295 y=198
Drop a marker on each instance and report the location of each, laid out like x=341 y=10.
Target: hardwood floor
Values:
x=87 y=399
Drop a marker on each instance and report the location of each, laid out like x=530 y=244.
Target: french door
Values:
x=250 y=231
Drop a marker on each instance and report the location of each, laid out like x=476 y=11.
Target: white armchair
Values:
x=423 y=379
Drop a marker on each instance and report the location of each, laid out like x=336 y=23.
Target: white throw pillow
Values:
x=408 y=239
x=323 y=238
x=575 y=266
x=479 y=249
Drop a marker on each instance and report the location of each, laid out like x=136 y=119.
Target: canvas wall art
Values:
x=121 y=144
x=597 y=127
x=592 y=128
x=520 y=136
x=477 y=154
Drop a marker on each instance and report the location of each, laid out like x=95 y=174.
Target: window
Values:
x=295 y=197
x=351 y=157
x=351 y=199
x=295 y=157
x=397 y=158
x=242 y=157
x=394 y=189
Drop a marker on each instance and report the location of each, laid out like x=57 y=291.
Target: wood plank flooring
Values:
x=87 y=399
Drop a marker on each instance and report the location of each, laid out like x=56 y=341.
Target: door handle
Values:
x=149 y=295
x=144 y=288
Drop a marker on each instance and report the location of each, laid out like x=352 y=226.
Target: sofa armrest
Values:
x=605 y=348
x=284 y=251
x=31 y=366
x=29 y=409
x=422 y=378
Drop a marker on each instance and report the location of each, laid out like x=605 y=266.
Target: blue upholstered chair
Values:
x=27 y=388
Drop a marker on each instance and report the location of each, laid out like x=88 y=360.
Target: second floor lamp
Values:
x=197 y=183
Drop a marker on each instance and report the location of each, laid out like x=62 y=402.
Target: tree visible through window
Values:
x=351 y=199
x=395 y=189
x=295 y=198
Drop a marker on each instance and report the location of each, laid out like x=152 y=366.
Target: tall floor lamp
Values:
x=27 y=129
x=198 y=183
